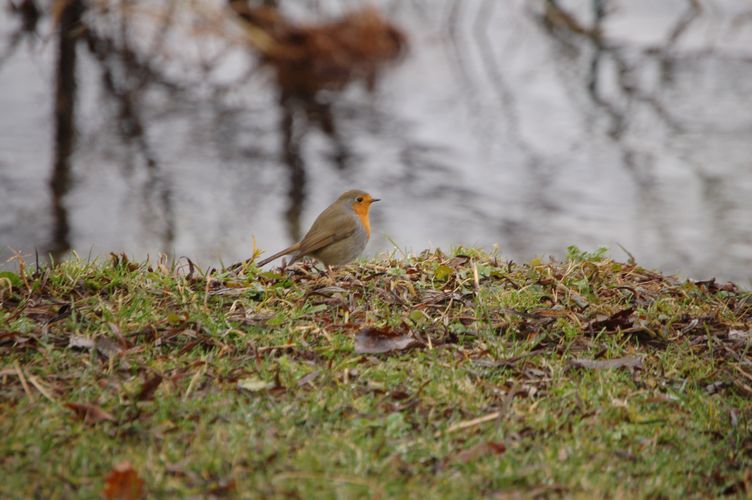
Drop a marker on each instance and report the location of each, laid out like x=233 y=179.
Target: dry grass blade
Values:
x=472 y=423
x=22 y=378
x=41 y=388
x=606 y=364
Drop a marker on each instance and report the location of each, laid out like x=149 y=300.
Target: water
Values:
x=494 y=130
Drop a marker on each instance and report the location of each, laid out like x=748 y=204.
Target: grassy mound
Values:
x=430 y=375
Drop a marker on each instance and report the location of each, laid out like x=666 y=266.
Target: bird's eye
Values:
x=359 y=199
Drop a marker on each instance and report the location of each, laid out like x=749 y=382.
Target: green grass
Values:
x=493 y=339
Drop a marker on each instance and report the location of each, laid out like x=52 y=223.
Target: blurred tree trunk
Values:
x=65 y=100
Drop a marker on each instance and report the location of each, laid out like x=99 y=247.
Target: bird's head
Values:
x=360 y=201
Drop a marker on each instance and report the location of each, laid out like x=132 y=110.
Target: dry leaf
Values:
x=740 y=336
x=377 y=340
x=309 y=378
x=123 y=483
x=108 y=347
x=225 y=488
x=254 y=384
x=619 y=320
x=480 y=450
x=90 y=414
x=443 y=272
x=149 y=388
x=80 y=342
x=604 y=364
x=329 y=290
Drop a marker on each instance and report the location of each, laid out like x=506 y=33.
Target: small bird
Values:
x=338 y=235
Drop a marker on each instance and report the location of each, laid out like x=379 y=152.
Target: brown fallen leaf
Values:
x=149 y=388
x=309 y=378
x=15 y=338
x=480 y=450
x=224 y=488
x=379 y=340
x=80 y=342
x=254 y=384
x=713 y=287
x=605 y=364
x=619 y=320
x=7 y=337
x=108 y=347
x=90 y=414
x=740 y=336
x=123 y=483
x=329 y=290
x=717 y=386
x=458 y=261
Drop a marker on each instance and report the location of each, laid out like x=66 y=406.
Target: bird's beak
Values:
x=375 y=199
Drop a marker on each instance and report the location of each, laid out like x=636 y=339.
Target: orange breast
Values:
x=362 y=212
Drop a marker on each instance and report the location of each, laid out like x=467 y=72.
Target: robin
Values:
x=338 y=235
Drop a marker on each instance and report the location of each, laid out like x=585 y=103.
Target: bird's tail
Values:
x=279 y=254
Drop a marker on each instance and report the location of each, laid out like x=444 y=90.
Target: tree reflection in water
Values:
x=531 y=124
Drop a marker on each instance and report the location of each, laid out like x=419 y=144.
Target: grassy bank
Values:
x=582 y=377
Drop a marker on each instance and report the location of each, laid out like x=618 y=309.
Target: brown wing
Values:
x=331 y=226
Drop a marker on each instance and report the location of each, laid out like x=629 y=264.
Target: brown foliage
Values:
x=310 y=58
x=90 y=413
x=123 y=483
x=371 y=340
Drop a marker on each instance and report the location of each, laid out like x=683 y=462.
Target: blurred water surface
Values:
x=603 y=123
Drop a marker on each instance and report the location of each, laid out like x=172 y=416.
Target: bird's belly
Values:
x=343 y=251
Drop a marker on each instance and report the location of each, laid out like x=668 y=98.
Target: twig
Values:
x=742 y=371
x=272 y=347
x=23 y=381
x=471 y=423
x=476 y=280
x=743 y=386
x=193 y=382
x=36 y=383
x=206 y=289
